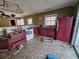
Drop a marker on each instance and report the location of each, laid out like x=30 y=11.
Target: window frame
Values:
x=49 y=16
x=20 y=24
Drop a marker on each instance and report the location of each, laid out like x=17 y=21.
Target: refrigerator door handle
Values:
x=57 y=25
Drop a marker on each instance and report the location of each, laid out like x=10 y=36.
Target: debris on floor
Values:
x=63 y=47
x=51 y=56
x=44 y=39
x=18 y=49
x=38 y=50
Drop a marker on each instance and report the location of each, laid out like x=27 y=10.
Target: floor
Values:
x=39 y=49
x=77 y=47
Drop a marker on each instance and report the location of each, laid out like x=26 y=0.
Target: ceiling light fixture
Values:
x=10 y=6
x=3 y=14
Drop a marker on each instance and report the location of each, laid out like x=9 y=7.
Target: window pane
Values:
x=50 y=20
x=53 y=22
x=48 y=23
x=47 y=18
x=20 y=22
x=30 y=21
x=53 y=18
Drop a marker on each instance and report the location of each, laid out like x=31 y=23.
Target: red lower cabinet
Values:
x=35 y=30
x=49 y=32
x=64 y=29
x=13 y=40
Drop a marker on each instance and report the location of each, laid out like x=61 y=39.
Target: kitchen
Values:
x=30 y=31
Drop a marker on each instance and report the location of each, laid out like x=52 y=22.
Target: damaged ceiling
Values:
x=29 y=7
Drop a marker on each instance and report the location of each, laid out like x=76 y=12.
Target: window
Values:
x=50 y=19
x=29 y=21
x=20 y=22
x=13 y=23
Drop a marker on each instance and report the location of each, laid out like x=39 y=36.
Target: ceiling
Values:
x=30 y=7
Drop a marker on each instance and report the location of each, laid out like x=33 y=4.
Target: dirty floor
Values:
x=38 y=49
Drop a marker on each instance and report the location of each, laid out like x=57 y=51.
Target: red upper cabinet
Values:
x=64 y=28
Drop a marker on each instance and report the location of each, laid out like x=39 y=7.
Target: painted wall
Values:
x=4 y=22
x=39 y=18
x=67 y=11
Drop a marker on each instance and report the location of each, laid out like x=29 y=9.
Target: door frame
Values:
x=75 y=31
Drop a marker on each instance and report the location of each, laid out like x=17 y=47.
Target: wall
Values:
x=25 y=19
x=4 y=22
x=67 y=11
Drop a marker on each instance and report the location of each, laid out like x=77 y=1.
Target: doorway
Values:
x=76 y=43
x=75 y=38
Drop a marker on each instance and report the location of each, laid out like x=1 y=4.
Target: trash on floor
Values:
x=51 y=56
x=63 y=47
x=18 y=48
x=42 y=39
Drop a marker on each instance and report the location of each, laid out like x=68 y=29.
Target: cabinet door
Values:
x=51 y=32
x=35 y=31
x=61 y=28
x=42 y=32
x=68 y=28
x=39 y=31
x=64 y=29
x=60 y=33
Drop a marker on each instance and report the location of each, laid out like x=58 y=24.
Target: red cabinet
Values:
x=64 y=28
x=61 y=28
x=35 y=30
x=49 y=32
x=13 y=40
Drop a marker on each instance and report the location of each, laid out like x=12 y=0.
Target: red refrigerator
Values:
x=64 y=27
